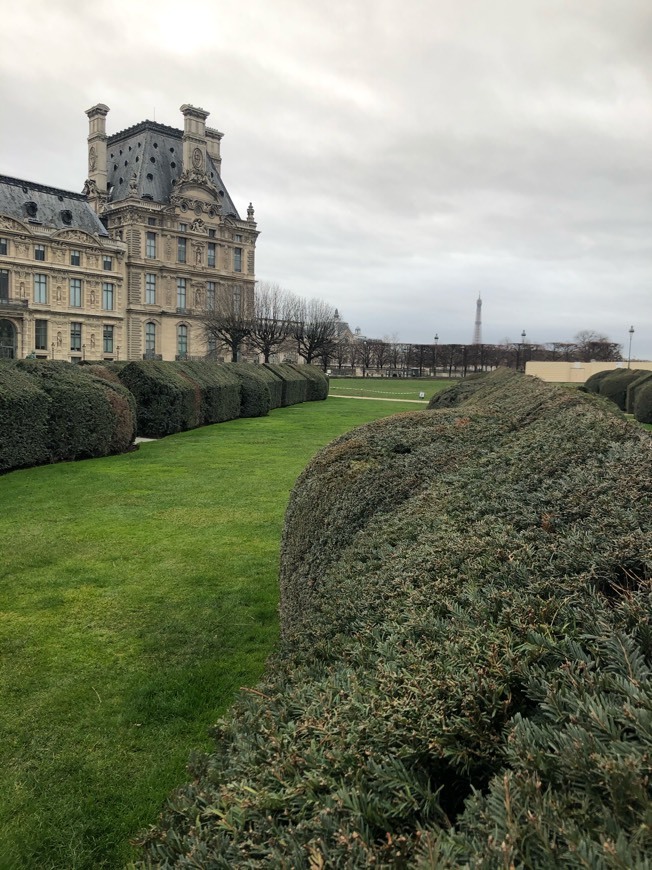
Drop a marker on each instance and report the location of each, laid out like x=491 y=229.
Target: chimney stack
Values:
x=213 y=139
x=194 y=138
x=97 y=168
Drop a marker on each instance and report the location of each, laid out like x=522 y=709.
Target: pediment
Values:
x=7 y=223
x=75 y=236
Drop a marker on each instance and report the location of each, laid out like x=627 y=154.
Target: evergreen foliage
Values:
x=463 y=675
x=643 y=403
x=295 y=386
x=273 y=381
x=614 y=385
x=24 y=410
x=317 y=381
x=54 y=411
x=166 y=401
x=255 y=398
x=217 y=388
x=632 y=389
x=592 y=383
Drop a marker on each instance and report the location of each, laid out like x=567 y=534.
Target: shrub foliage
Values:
x=255 y=396
x=464 y=670
x=317 y=381
x=294 y=385
x=81 y=415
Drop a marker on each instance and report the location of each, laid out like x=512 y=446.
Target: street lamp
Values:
x=629 y=354
x=435 y=360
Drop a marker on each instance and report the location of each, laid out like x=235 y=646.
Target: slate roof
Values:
x=154 y=153
x=50 y=207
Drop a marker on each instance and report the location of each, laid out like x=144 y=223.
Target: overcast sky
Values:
x=401 y=156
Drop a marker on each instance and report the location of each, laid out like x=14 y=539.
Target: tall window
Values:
x=150 y=289
x=40 y=288
x=210 y=295
x=4 y=284
x=107 y=339
x=237 y=300
x=3 y=246
x=75 y=336
x=150 y=338
x=75 y=293
x=181 y=249
x=40 y=335
x=39 y=252
x=152 y=221
x=108 y=294
x=181 y=292
x=182 y=339
x=150 y=246
x=75 y=258
x=237 y=259
x=211 y=254
x=107 y=263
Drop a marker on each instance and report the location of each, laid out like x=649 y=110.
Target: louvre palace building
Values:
x=128 y=268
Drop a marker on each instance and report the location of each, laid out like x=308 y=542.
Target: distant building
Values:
x=126 y=269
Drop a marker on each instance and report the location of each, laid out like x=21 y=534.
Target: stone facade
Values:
x=133 y=263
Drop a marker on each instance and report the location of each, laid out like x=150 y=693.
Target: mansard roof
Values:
x=50 y=207
x=152 y=154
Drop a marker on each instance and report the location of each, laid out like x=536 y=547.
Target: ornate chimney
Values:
x=97 y=168
x=194 y=139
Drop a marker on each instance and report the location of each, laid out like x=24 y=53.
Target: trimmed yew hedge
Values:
x=317 y=381
x=166 y=401
x=255 y=397
x=463 y=677
x=81 y=415
x=24 y=410
x=633 y=387
x=295 y=386
x=217 y=388
x=643 y=403
x=614 y=385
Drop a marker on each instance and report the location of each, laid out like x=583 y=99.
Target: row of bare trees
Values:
x=274 y=320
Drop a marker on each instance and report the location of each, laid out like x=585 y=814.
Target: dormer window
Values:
x=66 y=216
x=31 y=208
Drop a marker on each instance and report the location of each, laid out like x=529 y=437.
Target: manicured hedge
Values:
x=219 y=390
x=463 y=678
x=166 y=401
x=592 y=383
x=81 y=415
x=643 y=403
x=24 y=409
x=317 y=381
x=295 y=386
x=614 y=385
x=255 y=398
x=273 y=382
x=633 y=387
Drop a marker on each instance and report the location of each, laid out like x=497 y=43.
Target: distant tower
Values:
x=477 y=332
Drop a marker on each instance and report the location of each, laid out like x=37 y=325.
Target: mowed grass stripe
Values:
x=138 y=593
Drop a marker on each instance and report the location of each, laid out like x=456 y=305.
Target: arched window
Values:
x=182 y=340
x=150 y=339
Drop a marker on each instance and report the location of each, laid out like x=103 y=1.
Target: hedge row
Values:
x=629 y=389
x=175 y=396
x=463 y=678
x=52 y=411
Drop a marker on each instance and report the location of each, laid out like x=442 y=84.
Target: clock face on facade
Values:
x=197 y=158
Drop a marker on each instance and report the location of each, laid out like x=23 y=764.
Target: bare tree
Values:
x=274 y=317
x=315 y=329
x=229 y=320
x=381 y=351
x=591 y=345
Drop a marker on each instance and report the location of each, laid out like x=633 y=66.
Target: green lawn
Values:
x=390 y=388
x=138 y=593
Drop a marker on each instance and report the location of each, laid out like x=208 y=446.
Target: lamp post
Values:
x=629 y=353
x=523 y=346
x=435 y=360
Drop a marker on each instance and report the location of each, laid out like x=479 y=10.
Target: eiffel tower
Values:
x=477 y=332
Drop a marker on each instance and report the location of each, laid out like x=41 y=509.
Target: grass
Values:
x=389 y=388
x=139 y=593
